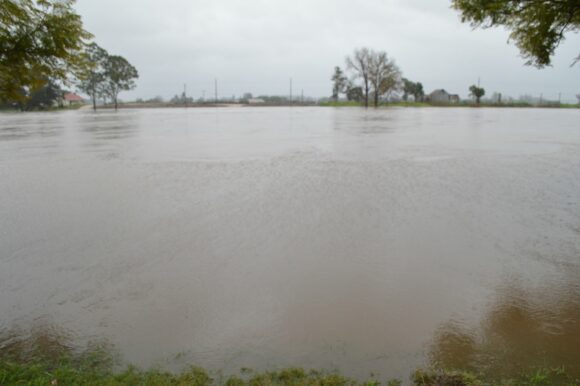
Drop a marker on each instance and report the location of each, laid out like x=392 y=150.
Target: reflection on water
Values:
x=50 y=345
x=43 y=341
x=527 y=326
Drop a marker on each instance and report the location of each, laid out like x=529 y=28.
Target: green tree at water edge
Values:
x=537 y=27
x=39 y=40
x=476 y=92
x=339 y=83
x=120 y=75
x=412 y=88
x=354 y=93
x=92 y=77
x=45 y=97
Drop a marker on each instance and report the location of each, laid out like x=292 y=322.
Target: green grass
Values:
x=96 y=366
x=538 y=377
x=46 y=357
x=72 y=373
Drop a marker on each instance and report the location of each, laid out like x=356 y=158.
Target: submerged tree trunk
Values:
x=366 y=93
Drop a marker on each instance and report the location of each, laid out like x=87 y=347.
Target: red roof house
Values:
x=73 y=98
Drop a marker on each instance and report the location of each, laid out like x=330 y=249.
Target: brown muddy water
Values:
x=350 y=239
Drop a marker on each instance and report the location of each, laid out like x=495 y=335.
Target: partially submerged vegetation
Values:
x=46 y=357
x=90 y=370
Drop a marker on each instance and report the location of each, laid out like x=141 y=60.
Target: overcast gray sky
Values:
x=257 y=45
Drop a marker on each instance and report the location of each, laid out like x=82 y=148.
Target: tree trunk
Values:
x=115 y=103
x=94 y=101
x=376 y=99
x=366 y=96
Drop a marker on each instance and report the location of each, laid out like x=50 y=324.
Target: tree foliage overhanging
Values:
x=39 y=40
x=537 y=26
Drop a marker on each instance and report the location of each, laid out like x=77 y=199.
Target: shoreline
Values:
x=129 y=106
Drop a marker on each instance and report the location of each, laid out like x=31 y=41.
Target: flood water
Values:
x=349 y=239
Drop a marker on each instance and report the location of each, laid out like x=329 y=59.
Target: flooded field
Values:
x=364 y=241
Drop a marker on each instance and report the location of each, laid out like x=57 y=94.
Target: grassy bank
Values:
x=95 y=366
x=75 y=373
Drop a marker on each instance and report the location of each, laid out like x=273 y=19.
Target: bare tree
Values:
x=384 y=75
x=359 y=63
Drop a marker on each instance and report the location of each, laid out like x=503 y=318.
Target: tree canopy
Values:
x=477 y=92
x=92 y=78
x=39 y=40
x=106 y=75
x=537 y=26
x=379 y=73
x=339 y=83
x=120 y=76
x=412 y=88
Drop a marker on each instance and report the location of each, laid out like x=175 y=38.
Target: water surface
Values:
x=350 y=239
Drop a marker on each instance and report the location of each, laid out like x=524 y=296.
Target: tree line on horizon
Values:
x=374 y=75
x=44 y=47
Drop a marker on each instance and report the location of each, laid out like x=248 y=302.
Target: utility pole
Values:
x=290 y=90
x=215 y=90
x=185 y=94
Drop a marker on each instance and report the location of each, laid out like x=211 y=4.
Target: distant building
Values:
x=72 y=99
x=439 y=96
x=442 y=96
